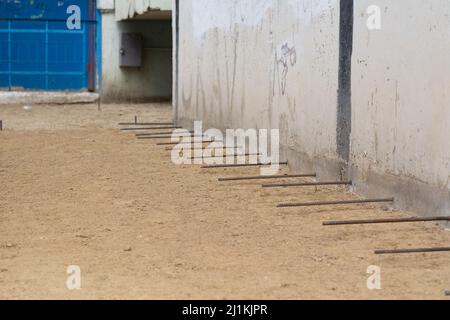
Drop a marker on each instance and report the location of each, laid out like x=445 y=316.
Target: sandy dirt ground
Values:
x=77 y=191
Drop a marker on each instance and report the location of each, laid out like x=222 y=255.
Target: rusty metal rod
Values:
x=379 y=221
x=308 y=175
x=306 y=184
x=146 y=124
x=326 y=203
x=217 y=166
x=1 y=125
x=152 y=128
x=162 y=133
x=228 y=156
x=168 y=137
x=207 y=148
x=415 y=250
x=184 y=143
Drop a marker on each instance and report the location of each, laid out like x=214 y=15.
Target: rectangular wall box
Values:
x=131 y=50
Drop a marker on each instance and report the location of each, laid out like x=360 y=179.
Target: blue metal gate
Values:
x=41 y=49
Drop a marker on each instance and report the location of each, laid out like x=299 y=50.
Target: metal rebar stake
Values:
x=218 y=166
x=327 y=203
x=415 y=250
x=307 y=175
x=167 y=137
x=150 y=128
x=184 y=143
x=146 y=123
x=171 y=133
x=207 y=148
x=306 y=184
x=227 y=156
x=380 y=221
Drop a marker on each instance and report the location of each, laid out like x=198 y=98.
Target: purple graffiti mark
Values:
x=288 y=59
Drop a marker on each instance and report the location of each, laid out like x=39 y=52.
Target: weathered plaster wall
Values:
x=263 y=64
x=275 y=64
x=401 y=103
x=126 y=9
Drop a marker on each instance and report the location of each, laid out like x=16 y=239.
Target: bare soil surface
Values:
x=77 y=191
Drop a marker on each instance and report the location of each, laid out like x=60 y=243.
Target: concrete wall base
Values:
x=410 y=194
x=300 y=162
x=47 y=97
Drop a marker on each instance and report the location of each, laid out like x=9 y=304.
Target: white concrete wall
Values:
x=400 y=77
x=401 y=102
x=232 y=73
x=105 y=4
x=126 y=9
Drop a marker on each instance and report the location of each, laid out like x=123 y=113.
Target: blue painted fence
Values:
x=38 y=51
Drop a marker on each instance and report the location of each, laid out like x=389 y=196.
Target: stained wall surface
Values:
x=262 y=64
x=278 y=64
x=126 y=9
x=400 y=142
